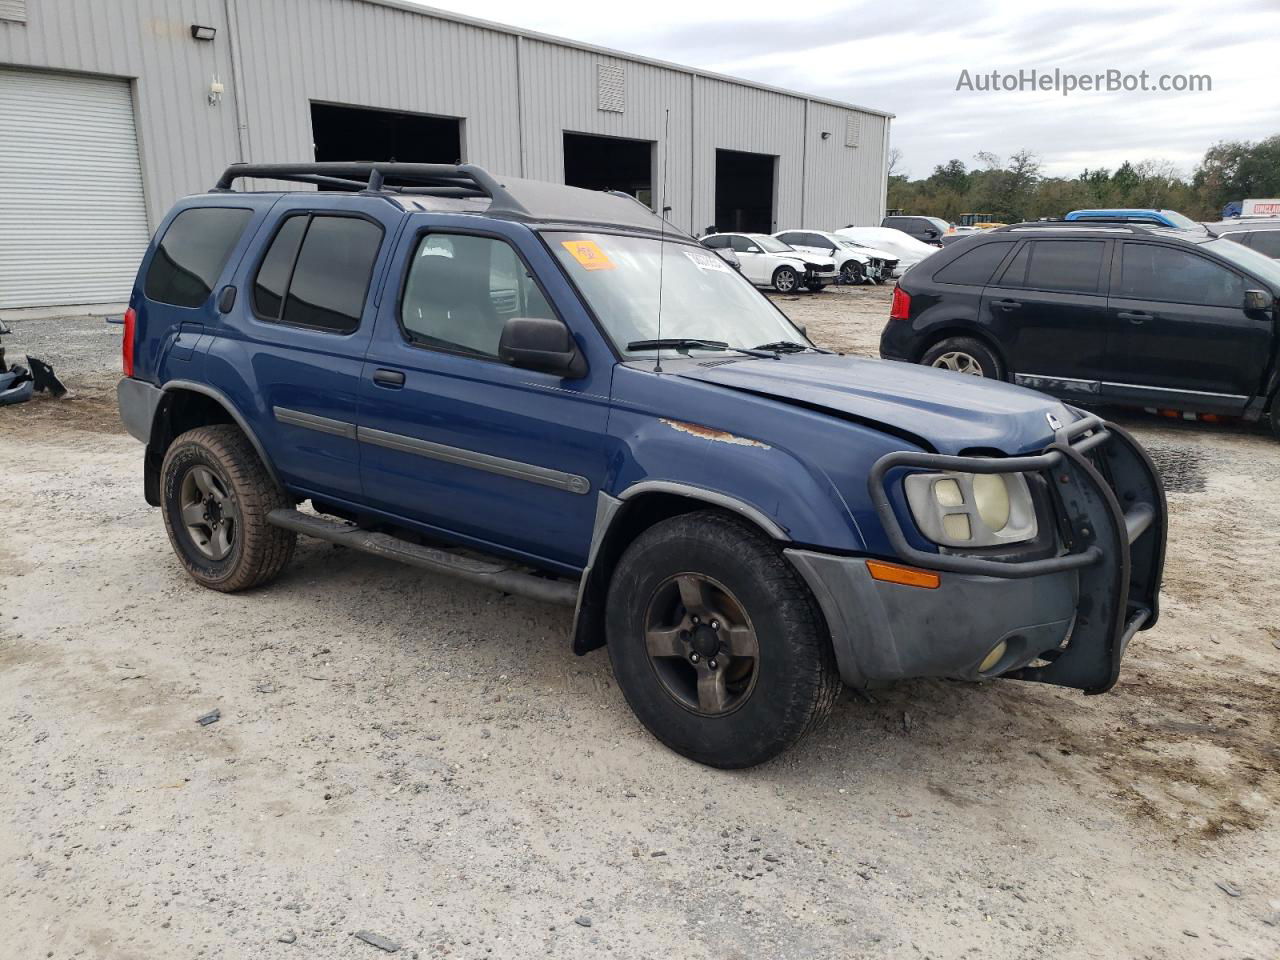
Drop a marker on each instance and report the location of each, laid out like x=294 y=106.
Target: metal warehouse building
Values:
x=111 y=109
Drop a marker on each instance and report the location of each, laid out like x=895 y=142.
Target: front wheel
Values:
x=964 y=355
x=717 y=643
x=215 y=497
x=785 y=279
x=853 y=272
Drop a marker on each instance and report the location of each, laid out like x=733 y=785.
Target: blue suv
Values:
x=553 y=392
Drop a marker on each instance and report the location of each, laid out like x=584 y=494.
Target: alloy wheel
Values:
x=701 y=644
x=209 y=512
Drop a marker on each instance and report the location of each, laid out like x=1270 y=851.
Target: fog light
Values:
x=995 y=656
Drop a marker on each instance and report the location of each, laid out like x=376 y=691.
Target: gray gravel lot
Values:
x=414 y=757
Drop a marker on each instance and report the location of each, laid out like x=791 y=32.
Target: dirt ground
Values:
x=411 y=756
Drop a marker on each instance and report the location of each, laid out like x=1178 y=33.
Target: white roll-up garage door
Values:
x=73 y=224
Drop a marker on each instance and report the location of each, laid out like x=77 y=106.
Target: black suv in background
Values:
x=928 y=230
x=1118 y=314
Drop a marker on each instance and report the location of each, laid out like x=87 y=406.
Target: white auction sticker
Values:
x=706 y=261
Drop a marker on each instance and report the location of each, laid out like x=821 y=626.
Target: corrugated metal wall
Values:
x=516 y=95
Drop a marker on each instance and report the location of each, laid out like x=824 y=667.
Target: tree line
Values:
x=1015 y=189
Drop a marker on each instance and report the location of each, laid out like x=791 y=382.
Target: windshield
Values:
x=703 y=298
x=1260 y=265
x=772 y=245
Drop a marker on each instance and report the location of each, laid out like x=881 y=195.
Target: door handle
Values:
x=1134 y=318
x=393 y=379
x=1006 y=304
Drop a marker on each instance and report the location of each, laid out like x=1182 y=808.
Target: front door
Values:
x=757 y=266
x=1178 y=324
x=454 y=439
x=1049 y=309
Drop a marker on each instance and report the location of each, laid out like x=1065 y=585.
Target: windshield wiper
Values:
x=789 y=346
x=691 y=343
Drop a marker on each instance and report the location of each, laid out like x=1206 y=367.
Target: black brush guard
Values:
x=1112 y=522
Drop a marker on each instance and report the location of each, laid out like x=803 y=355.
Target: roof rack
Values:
x=416 y=179
x=1134 y=225
x=511 y=198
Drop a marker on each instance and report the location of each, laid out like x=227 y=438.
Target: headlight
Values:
x=972 y=509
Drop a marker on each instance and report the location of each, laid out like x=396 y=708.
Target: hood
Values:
x=945 y=411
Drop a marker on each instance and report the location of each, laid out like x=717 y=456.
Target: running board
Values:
x=494 y=573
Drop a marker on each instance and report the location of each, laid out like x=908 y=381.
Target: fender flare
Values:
x=588 y=626
x=226 y=404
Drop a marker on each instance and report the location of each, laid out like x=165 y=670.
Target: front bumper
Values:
x=1065 y=619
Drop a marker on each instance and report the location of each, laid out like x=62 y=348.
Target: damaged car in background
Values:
x=742 y=519
x=768 y=262
x=856 y=264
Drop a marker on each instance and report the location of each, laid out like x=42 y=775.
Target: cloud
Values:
x=905 y=56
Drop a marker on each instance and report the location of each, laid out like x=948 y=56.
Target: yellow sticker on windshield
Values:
x=589 y=254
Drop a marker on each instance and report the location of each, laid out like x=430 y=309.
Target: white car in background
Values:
x=856 y=264
x=908 y=249
x=768 y=262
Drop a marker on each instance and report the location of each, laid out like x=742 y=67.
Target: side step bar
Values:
x=494 y=573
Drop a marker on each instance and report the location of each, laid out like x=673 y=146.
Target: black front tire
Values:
x=258 y=551
x=795 y=682
x=853 y=272
x=964 y=355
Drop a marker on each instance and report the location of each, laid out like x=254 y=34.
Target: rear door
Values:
x=1048 y=307
x=298 y=335
x=1178 y=324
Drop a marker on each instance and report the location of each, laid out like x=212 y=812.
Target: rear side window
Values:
x=192 y=253
x=974 y=266
x=1069 y=266
x=1267 y=243
x=461 y=290
x=716 y=243
x=316 y=272
x=1149 y=271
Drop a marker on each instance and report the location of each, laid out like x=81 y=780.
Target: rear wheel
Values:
x=216 y=494
x=717 y=643
x=785 y=279
x=964 y=355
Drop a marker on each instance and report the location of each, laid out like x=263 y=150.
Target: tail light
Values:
x=126 y=344
x=900 y=307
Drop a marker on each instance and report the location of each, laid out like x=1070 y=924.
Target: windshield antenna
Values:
x=662 y=235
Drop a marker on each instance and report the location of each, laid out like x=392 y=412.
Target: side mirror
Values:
x=804 y=331
x=752 y=250
x=1259 y=300
x=536 y=343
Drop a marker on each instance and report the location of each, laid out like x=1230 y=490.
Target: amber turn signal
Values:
x=907 y=576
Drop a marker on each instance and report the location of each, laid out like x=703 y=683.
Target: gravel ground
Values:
x=410 y=756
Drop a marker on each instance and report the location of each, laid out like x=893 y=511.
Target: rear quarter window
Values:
x=191 y=254
x=975 y=267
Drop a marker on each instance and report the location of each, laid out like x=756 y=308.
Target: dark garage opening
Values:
x=359 y=133
x=744 y=191
x=610 y=163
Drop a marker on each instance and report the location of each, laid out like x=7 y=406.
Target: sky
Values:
x=907 y=57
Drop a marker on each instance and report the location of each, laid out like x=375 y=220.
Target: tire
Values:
x=215 y=473
x=853 y=272
x=785 y=280
x=763 y=703
x=964 y=355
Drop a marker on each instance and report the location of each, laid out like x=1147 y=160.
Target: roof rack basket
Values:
x=461 y=180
